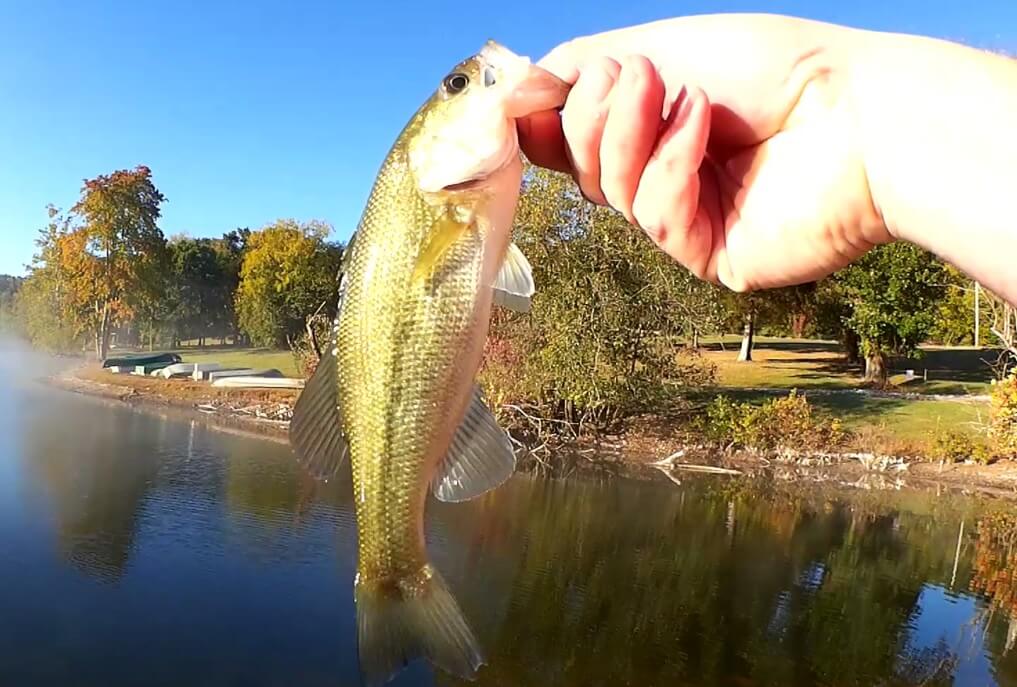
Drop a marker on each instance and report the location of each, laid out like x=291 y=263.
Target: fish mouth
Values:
x=534 y=89
x=508 y=156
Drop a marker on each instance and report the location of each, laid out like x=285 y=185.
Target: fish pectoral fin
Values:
x=316 y=426
x=444 y=232
x=479 y=458
x=513 y=287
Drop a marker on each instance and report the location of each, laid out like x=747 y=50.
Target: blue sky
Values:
x=251 y=111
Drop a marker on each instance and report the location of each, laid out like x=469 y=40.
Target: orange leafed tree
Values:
x=118 y=248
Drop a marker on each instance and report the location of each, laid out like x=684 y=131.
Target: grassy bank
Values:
x=809 y=364
x=891 y=424
x=233 y=356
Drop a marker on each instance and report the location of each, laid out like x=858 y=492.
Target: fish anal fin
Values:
x=316 y=427
x=479 y=458
x=398 y=622
x=513 y=286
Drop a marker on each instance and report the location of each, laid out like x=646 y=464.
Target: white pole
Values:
x=977 y=314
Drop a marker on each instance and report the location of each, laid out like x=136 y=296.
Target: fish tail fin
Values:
x=412 y=618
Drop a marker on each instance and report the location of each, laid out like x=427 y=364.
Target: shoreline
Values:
x=265 y=414
x=212 y=411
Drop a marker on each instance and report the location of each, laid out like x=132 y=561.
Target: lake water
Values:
x=137 y=549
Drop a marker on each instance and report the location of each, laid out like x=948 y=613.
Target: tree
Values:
x=603 y=337
x=955 y=321
x=831 y=313
x=48 y=311
x=1001 y=317
x=894 y=293
x=787 y=310
x=289 y=269
x=230 y=255
x=119 y=214
x=8 y=292
x=199 y=293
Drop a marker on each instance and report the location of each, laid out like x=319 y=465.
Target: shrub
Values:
x=1003 y=415
x=779 y=425
x=952 y=446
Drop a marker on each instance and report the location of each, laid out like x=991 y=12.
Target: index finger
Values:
x=540 y=135
x=542 y=140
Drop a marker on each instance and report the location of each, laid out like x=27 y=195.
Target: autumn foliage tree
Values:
x=289 y=270
x=123 y=247
x=48 y=306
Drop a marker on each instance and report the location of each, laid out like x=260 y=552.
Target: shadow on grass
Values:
x=223 y=348
x=848 y=406
x=952 y=365
x=789 y=346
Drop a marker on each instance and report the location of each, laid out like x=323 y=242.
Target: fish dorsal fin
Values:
x=445 y=231
x=513 y=287
x=316 y=426
x=479 y=458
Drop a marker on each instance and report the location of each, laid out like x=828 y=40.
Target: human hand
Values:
x=729 y=139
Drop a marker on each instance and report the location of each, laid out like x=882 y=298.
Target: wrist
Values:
x=935 y=123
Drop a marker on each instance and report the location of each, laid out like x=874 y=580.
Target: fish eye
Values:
x=456 y=83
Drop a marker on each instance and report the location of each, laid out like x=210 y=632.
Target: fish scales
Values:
x=400 y=341
x=397 y=398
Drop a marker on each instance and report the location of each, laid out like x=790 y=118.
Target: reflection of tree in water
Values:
x=634 y=585
x=995 y=565
x=269 y=498
x=930 y=667
x=96 y=466
x=995 y=577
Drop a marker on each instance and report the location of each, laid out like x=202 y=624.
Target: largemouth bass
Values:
x=396 y=394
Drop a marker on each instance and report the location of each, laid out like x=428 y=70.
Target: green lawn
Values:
x=784 y=364
x=780 y=364
x=256 y=358
x=912 y=421
x=805 y=364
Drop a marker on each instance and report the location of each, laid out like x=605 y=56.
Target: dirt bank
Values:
x=267 y=412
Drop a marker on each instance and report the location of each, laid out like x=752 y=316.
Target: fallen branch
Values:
x=712 y=469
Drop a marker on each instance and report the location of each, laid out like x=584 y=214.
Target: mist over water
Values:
x=144 y=550
x=20 y=364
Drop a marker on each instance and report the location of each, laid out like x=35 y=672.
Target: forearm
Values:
x=938 y=125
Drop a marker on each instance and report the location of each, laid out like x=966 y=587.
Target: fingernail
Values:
x=677 y=105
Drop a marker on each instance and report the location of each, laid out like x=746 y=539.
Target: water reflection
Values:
x=620 y=583
x=138 y=545
x=95 y=493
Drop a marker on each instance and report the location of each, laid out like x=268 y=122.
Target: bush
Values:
x=603 y=340
x=779 y=425
x=1003 y=415
x=953 y=446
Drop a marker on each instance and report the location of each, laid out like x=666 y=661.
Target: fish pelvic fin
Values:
x=416 y=617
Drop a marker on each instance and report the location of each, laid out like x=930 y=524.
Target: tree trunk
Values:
x=852 y=347
x=102 y=333
x=876 y=372
x=695 y=339
x=748 y=333
x=798 y=322
x=313 y=337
